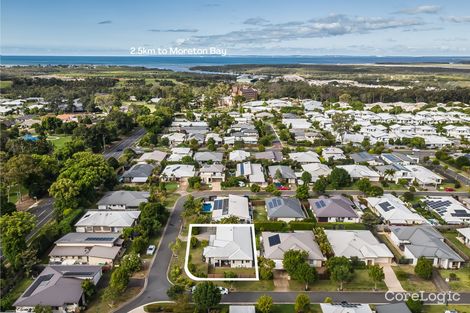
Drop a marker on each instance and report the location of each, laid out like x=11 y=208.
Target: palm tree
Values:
x=389 y=173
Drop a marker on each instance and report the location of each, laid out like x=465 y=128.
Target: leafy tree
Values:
x=408 y=196
x=338 y=261
x=264 y=304
x=375 y=191
x=28 y=259
x=306 y=177
x=415 y=306
x=306 y=274
x=5 y=206
x=342 y=122
x=370 y=219
x=255 y=188
x=139 y=244
x=302 y=192
x=230 y=220
x=341 y=274
x=206 y=295
x=131 y=263
x=88 y=288
x=339 y=177
x=42 y=309
x=376 y=273
x=302 y=303
x=321 y=184
x=13 y=231
x=364 y=185
x=266 y=267
x=119 y=280
x=292 y=260
x=423 y=268
x=175 y=291
x=66 y=194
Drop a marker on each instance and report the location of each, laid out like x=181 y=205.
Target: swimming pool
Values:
x=207 y=207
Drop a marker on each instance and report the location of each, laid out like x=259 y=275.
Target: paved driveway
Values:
x=391 y=280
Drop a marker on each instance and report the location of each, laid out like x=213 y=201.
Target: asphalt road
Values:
x=117 y=149
x=157 y=282
x=43 y=211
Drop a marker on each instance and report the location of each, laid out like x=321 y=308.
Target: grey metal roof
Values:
x=280 y=207
x=425 y=241
x=139 y=170
x=208 y=156
x=337 y=206
x=362 y=157
x=399 y=307
x=269 y=155
x=88 y=238
x=124 y=197
x=276 y=244
x=57 y=285
x=286 y=171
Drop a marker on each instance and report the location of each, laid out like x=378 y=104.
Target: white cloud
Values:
x=422 y=9
x=456 y=19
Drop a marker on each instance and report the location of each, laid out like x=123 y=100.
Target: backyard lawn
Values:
x=360 y=281
x=259 y=213
x=452 y=237
x=59 y=140
x=171 y=186
x=462 y=283
x=411 y=282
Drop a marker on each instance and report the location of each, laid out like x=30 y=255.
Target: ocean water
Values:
x=183 y=63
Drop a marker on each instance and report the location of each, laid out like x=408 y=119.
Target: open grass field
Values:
x=5 y=84
x=59 y=140
x=462 y=283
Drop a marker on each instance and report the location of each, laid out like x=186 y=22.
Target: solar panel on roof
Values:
x=270 y=204
x=242 y=169
x=274 y=240
x=386 y=206
x=36 y=283
x=99 y=239
x=71 y=273
x=461 y=213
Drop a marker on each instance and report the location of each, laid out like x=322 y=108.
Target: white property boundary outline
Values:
x=188 y=248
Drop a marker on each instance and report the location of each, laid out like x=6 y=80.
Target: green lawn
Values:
x=360 y=281
x=171 y=186
x=463 y=279
x=59 y=140
x=452 y=237
x=14 y=193
x=411 y=282
x=443 y=308
x=5 y=84
x=259 y=213
x=16 y=292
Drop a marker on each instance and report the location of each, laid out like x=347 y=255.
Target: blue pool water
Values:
x=207 y=207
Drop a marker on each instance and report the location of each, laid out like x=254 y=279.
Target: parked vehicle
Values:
x=151 y=250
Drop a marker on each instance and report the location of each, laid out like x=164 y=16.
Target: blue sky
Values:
x=354 y=27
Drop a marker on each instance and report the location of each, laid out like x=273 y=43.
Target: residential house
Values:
x=394 y=211
x=399 y=307
x=296 y=123
x=175 y=138
x=274 y=245
x=316 y=170
x=334 y=209
x=238 y=155
x=248 y=93
x=208 y=156
x=425 y=241
x=216 y=137
x=359 y=243
x=86 y=248
x=448 y=208
x=138 y=173
x=232 y=205
x=230 y=246
x=273 y=156
x=212 y=173
x=178 y=172
x=397 y=158
x=365 y=157
x=106 y=221
x=346 y=308
x=423 y=176
x=59 y=287
x=154 y=156
x=464 y=235
x=253 y=172
x=304 y=157
x=360 y=171
x=285 y=172
x=284 y=209
x=122 y=200
x=177 y=154
x=333 y=153
x=394 y=172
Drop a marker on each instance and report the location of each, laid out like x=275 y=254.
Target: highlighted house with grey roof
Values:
x=334 y=209
x=122 y=200
x=425 y=241
x=274 y=245
x=284 y=209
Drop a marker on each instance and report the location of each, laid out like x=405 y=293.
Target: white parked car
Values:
x=223 y=290
x=151 y=250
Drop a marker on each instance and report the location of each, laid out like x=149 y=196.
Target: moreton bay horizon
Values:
x=183 y=63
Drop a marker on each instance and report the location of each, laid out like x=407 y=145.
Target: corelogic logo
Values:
x=440 y=297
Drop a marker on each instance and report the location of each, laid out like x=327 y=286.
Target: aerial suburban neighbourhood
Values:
x=251 y=183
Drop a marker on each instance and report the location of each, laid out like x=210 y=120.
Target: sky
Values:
x=243 y=27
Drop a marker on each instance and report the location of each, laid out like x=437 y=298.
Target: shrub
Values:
x=270 y=226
